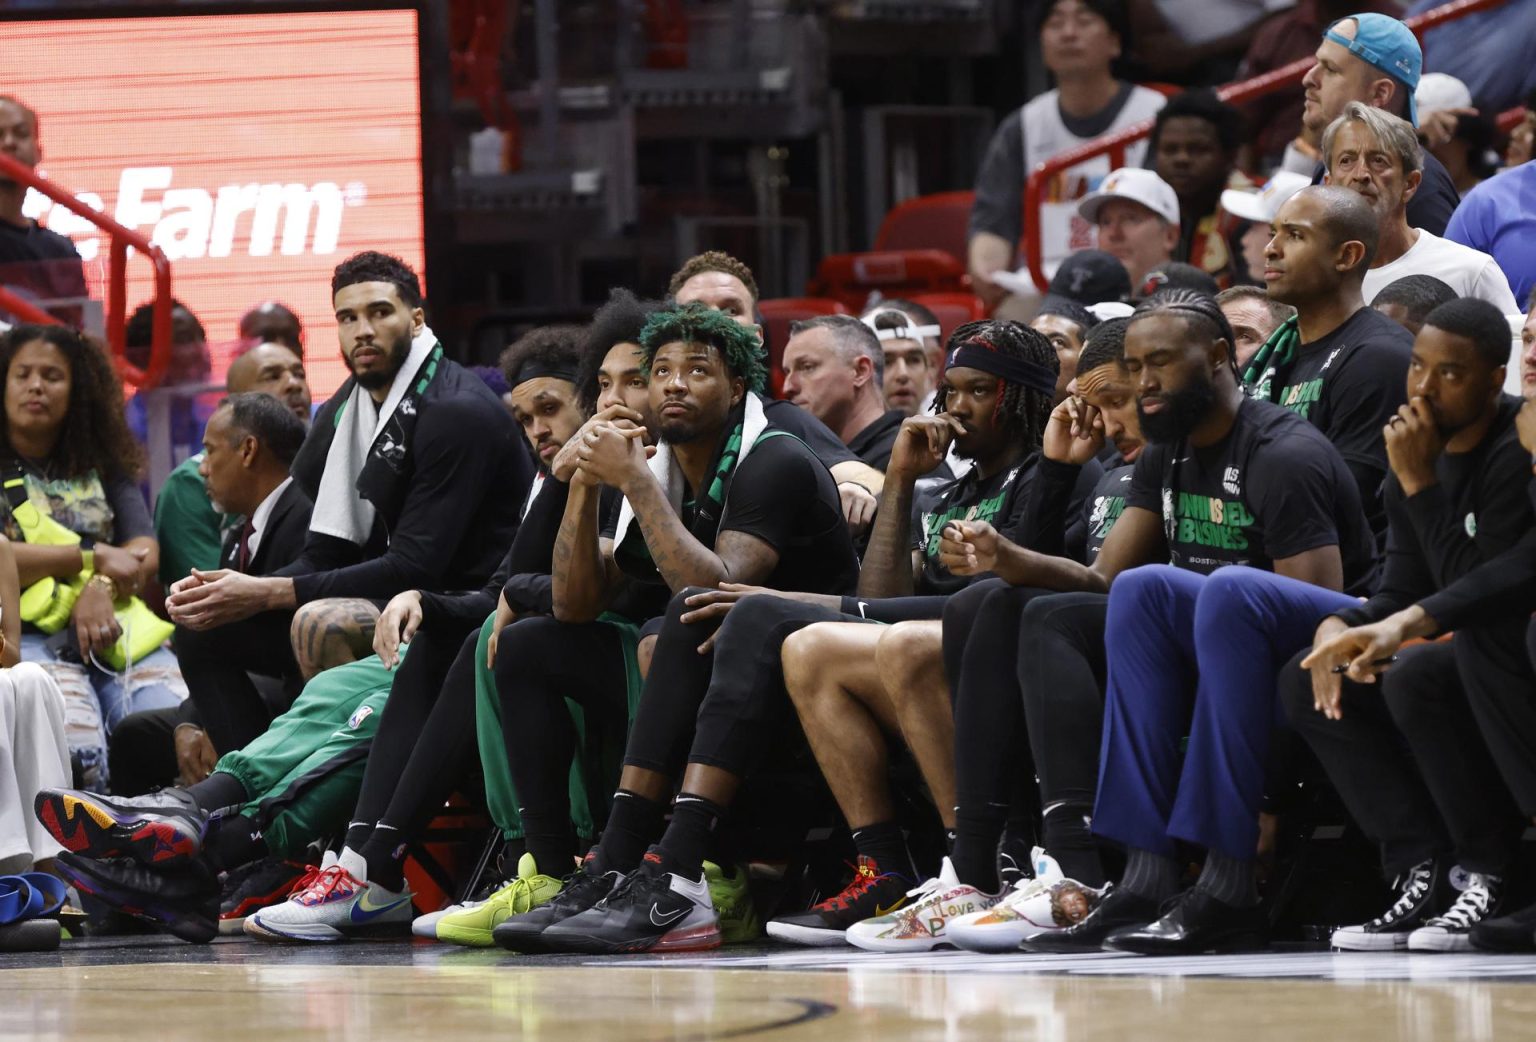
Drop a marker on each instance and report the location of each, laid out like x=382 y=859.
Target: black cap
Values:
x=1090 y=277
x=1177 y=275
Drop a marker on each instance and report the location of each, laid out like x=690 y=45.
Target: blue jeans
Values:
x=96 y=701
x=1196 y=655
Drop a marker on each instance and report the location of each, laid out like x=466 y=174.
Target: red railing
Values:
x=1114 y=144
x=120 y=239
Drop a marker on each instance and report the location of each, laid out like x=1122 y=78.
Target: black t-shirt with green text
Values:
x=1272 y=488
x=1105 y=506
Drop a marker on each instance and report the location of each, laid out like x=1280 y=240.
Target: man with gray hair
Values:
x=1378 y=155
x=834 y=367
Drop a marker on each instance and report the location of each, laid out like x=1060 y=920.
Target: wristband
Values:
x=87 y=559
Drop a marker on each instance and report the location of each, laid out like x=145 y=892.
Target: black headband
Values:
x=1014 y=370
x=533 y=369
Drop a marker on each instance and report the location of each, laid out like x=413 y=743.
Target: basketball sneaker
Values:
x=158 y=828
x=1451 y=932
x=1048 y=902
x=333 y=906
x=472 y=926
x=871 y=893
x=1514 y=932
x=425 y=926
x=180 y=899
x=651 y=910
x=579 y=891
x=1419 y=894
x=256 y=886
x=732 y=899
x=921 y=925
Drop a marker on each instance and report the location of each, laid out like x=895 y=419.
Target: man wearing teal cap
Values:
x=1375 y=59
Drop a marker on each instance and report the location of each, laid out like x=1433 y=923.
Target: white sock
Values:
x=354 y=863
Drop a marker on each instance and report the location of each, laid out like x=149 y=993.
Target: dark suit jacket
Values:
x=283 y=540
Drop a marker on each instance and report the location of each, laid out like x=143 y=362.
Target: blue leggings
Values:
x=1196 y=655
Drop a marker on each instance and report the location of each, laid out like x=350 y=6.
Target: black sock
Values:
x=1070 y=841
x=235 y=842
x=385 y=853
x=357 y=835
x=218 y=790
x=1015 y=852
x=682 y=848
x=551 y=840
x=884 y=843
x=633 y=825
x=977 y=830
x=1229 y=880
x=1150 y=875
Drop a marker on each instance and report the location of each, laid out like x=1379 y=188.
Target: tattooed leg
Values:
x=332 y=632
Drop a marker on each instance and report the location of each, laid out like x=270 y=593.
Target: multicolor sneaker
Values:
x=732 y=899
x=1048 y=902
x=581 y=890
x=181 y=899
x=651 y=910
x=333 y=906
x=1417 y=898
x=527 y=890
x=158 y=828
x=921 y=925
x=258 y=885
x=1451 y=932
x=871 y=893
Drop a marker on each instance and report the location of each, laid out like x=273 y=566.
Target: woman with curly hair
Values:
x=65 y=436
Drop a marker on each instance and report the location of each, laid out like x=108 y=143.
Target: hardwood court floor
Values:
x=232 y=991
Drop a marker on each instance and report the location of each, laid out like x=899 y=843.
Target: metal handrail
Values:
x=117 y=280
x=1114 y=145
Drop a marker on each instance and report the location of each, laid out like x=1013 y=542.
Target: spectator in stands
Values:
x=190 y=366
x=1453 y=130
x=1337 y=363
x=1487 y=50
x=1376 y=154
x=41 y=263
x=1428 y=758
x=1374 y=59
x=1065 y=324
x=1257 y=210
x=1497 y=217
x=1194 y=146
x=1254 y=316
x=189 y=529
x=909 y=373
x=1522 y=138
x=928 y=323
x=272 y=323
x=416 y=486
x=64 y=429
x=1079 y=41
x=1090 y=277
x=834 y=368
x=1176 y=275
x=1409 y=300
x=1137 y=215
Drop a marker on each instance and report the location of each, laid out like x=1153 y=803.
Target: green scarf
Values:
x=1261 y=376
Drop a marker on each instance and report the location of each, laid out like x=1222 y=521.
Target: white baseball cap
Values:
x=1438 y=90
x=1137 y=185
x=1262 y=206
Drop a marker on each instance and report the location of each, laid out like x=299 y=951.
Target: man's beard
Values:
x=399 y=351
x=1182 y=412
x=678 y=432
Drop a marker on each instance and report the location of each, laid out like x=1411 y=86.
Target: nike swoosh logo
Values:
x=658 y=919
x=365 y=910
x=888 y=909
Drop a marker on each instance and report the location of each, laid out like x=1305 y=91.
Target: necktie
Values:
x=243 y=553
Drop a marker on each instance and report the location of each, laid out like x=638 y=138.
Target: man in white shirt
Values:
x=1378 y=155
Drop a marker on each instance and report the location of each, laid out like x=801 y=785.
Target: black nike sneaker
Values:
x=158 y=828
x=651 y=910
x=579 y=891
x=869 y=894
x=182 y=899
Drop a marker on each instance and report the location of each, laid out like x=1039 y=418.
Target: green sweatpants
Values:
x=305 y=772
x=595 y=769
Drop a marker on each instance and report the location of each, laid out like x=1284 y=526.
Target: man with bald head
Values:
x=1339 y=364
x=189 y=529
x=1376 y=60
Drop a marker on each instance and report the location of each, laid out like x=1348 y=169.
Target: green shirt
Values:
x=190 y=531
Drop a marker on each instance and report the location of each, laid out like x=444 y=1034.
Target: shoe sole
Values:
x=808 y=936
x=162 y=916
x=1236 y=944
x=992 y=941
x=260 y=931
x=1439 y=943
x=464 y=936
x=95 y=830
x=232 y=927
x=697 y=939
x=1515 y=944
x=1368 y=942
x=31 y=935
x=880 y=944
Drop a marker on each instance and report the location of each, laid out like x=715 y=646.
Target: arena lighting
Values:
x=256 y=149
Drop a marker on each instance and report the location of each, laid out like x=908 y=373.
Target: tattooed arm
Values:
x=332 y=632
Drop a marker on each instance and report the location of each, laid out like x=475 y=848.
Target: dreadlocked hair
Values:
x=1199 y=311
x=697 y=324
x=1022 y=411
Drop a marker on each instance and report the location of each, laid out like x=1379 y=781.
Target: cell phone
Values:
x=1381 y=663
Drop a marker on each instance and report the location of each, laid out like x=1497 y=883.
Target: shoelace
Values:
x=1470 y=908
x=303 y=883
x=1420 y=879
x=864 y=877
x=326 y=883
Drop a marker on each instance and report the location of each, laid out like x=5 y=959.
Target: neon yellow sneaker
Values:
x=733 y=904
x=473 y=925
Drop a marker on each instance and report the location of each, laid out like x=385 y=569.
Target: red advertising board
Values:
x=256 y=150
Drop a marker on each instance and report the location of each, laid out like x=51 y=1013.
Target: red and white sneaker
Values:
x=332 y=906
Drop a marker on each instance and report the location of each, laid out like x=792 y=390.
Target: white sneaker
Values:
x=336 y=905
x=426 y=925
x=1046 y=903
x=1451 y=932
x=1418 y=892
x=921 y=926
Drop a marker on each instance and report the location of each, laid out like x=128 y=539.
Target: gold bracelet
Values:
x=107 y=583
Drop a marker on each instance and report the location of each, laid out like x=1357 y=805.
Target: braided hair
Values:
x=1199 y=311
x=1022 y=411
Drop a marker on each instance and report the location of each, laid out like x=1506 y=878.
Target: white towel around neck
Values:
x=339 y=510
